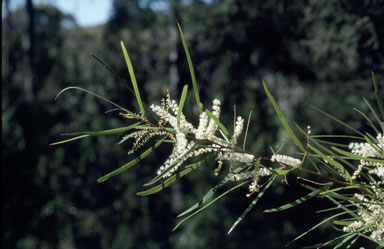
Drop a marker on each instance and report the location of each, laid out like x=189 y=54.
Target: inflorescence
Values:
x=190 y=141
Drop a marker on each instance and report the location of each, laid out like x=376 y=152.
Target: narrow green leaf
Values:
x=342 y=222
x=213 y=190
x=69 y=140
x=337 y=165
x=181 y=104
x=191 y=70
x=353 y=242
x=217 y=121
x=355 y=186
x=105 y=132
x=253 y=203
x=372 y=110
x=314 y=227
x=331 y=197
x=367 y=119
x=124 y=83
x=120 y=80
x=337 y=120
x=380 y=246
x=131 y=163
x=296 y=202
x=282 y=119
x=345 y=240
x=177 y=176
x=374 y=146
x=133 y=78
x=170 y=167
x=331 y=153
x=356 y=157
x=336 y=136
x=377 y=94
x=94 y=133
x=210 y=203
x=331 y=143
x=94 y=94
x=283 y=172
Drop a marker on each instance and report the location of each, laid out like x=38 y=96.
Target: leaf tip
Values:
x=101 y=179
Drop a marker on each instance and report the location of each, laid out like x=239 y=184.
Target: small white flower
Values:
x=236 y=156
x=238 y=129
x=366 y=150
x=286 y=160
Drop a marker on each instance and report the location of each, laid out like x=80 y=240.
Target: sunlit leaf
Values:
x=133 y=78
x=282 y=119
x=191 y=70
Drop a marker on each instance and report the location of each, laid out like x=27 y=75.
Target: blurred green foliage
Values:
x=307 y=51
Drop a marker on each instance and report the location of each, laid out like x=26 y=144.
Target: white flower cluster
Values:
x=182 y=145
x=287 y=160
x=372 y=215
x=366 y=150
x=206 y=131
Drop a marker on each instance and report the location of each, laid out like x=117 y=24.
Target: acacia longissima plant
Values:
x=353 y=173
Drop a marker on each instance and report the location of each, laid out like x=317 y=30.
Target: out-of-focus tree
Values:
x=298 y=47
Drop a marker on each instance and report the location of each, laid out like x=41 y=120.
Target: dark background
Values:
x=317 y=52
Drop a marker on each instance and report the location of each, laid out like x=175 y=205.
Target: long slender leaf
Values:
x=181 y=104
x=94 y=94
x=296 y=202
x=378 y=97
x=282 y=119
x=121 y=81
x=178 y=175
x=331 y=143
x=124 y=83
x=170 y=167
x=315 y=226
x=131 y=163
x=331 y=153
x=332 y=162
x=210 y=203
x=331 y=197
x=337 y=120
x=69 y=140
x=368 y=119
x=374 y=146
x=133 y=78
x=191 y=70
x=105 y=132
x=94 y=133
x=217 y=121
x=336 y=136
x=253 y=203
x=213 y=190
x=353 y=242
x=358 y=186
x=356 y=157
x=372 y=110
